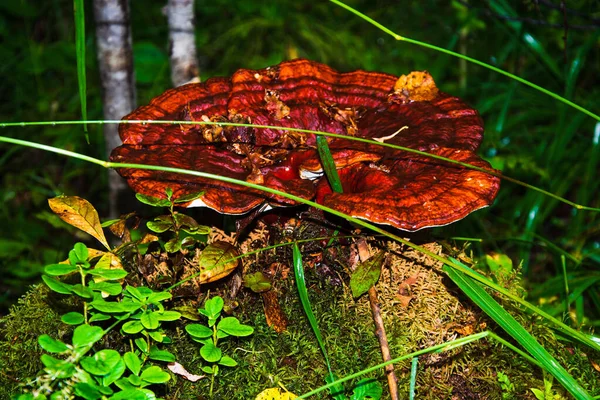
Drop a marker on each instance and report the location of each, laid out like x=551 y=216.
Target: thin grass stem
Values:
x=318 y=133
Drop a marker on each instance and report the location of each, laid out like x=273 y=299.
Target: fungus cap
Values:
x=381 y=185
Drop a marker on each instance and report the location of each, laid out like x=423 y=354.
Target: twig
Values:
x=363 y=254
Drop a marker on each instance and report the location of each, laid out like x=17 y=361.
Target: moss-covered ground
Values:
x=420 y=309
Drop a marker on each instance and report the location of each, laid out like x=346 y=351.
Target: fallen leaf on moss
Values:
x=276 y=319
x=404 y=300
x=275 y=394
x=178 y=369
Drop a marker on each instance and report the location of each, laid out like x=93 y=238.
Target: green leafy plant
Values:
x=508 y=388
x=364 y=389
x=547 y=393
x=210 y=334
x=186 y=230
x=102 y=283
x=145 y=316
x=91 y=376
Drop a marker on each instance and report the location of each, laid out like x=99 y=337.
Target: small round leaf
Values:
x=132 y=327
x=59 y=269
x=155 y=374
x=199 y=331
x=73 y=318
x=150 y=319
x=102 y=362
x=214 y=306
x=228 y=362
x=86 y=334
x=133 y=362
x=52 y=345
x=134 y=394
x=57 y=286
x=168 y=316
x=142 y=344
x=161 y=355
x=233 y=327
x=210 y=352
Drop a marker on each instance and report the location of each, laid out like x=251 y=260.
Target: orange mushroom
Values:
x=381 y=184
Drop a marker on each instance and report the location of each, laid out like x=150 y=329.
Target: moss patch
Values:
x=420 y=309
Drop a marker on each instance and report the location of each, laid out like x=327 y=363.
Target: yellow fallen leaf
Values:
x=275 y=394
x=79 y=213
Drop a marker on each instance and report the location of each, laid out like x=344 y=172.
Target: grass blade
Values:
x=413 y=377
x=303 y=293
x=80 y=51
x=514 y=329
x=328 y=164
x=437 y=348
x=318 y=133
x=578 y=63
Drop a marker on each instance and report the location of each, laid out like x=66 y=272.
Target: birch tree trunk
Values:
x=182 y=41
x=115 y=60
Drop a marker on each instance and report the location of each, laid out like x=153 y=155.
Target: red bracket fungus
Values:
x=381 y=185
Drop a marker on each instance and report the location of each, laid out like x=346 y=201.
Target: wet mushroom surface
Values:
x=380 y=184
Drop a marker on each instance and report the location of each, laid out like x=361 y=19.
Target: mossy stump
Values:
x=420 y=308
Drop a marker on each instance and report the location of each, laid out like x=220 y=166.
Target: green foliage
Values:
x=139 y=310
x=186 y=231
x=209 y=336
x=257 y=282
x=507 y=386
x=547 y=393
x=366 y=274
x=365 y=389
x=471 y=288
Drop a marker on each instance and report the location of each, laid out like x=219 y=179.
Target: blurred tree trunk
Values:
x=182 y=41
x=116 y=72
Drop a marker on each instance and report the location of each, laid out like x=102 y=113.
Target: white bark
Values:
x=115 y=60
x=182 y=41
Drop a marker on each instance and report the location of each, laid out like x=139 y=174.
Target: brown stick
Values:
x=363 y=254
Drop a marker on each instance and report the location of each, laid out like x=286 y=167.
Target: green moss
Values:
x=36 y=313
x=420 y=309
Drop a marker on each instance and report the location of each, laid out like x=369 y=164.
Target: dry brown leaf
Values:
x=595 y=365
x=404 y=300
x=406 y=284
x=275 y=316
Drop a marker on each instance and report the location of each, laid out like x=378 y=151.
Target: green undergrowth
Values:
x=420 y=307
